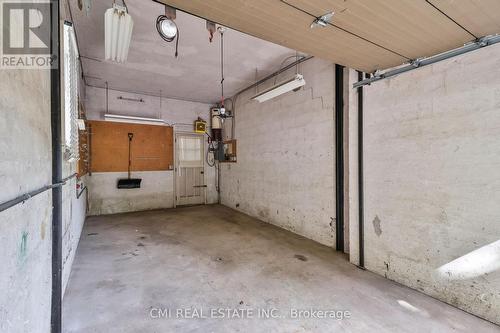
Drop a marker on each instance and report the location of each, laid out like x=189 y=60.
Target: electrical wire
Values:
x=211 y=148
x=233 y=116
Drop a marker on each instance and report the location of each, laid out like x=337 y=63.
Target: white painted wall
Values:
x=432 y=182
x=157 y=188
x=157 y=191
x=285 y=174
x=74 y=214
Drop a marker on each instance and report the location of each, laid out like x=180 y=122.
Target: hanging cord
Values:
x=211 y=148
x=221 y=31
x=233 y=116
x=177 y=42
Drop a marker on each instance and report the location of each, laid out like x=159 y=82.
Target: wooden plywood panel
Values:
x=369 y=34
x=481 y=17
x=151 y=149
x=277 y=22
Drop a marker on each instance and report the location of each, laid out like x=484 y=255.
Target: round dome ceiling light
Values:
x=167 y=28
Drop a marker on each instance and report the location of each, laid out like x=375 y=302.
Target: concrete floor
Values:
x=208 y=258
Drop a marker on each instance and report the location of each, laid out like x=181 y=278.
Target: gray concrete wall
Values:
x=352 y=197
x=432 y=184
x=26 y=229
x=157 y=188
x=285 y=174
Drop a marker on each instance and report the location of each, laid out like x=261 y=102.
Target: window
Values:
x=71 y=75
x=190 y=151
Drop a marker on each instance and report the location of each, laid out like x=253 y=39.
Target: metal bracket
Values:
x=421 y=62
x=322 y=21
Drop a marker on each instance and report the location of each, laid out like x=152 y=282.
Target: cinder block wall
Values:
x=285 y=174
x=432 y=184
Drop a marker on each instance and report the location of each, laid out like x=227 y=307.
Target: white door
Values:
x=190 y=180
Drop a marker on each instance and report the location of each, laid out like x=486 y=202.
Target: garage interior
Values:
x=255 y=166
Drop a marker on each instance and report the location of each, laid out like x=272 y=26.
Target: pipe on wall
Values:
x=55 y=122
x=26 y=196
x=339 y=156
x=360 y=175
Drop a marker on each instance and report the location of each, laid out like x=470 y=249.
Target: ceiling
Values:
x=364 y=34
x=151 y=66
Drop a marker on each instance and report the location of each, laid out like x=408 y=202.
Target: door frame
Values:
x=176 y=160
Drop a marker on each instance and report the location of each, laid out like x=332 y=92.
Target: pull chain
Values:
x=221 y=31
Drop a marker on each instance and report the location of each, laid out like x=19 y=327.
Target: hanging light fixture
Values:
x=166 y=27
x=281 y=88
x=223 y=113
x=118 y=25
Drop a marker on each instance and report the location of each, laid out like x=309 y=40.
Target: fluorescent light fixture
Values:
x=132 y=119
x=296 y=82
x=118 y=25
